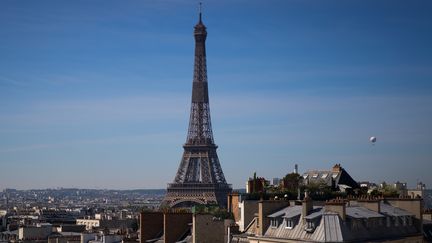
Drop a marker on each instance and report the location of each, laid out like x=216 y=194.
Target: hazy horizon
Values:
x=97 y=93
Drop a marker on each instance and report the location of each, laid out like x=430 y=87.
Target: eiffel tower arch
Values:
x=199 y=178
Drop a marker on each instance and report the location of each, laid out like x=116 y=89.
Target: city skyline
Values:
x=96 y=95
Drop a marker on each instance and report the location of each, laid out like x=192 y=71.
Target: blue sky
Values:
x=96 y=94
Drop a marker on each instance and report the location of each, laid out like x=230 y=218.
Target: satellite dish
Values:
x=372 y=139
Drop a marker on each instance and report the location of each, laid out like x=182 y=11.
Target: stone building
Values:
x=357 y=220
x=171 y=227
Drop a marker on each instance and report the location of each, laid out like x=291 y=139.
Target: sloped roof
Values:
x=329 y=176
x=362 y=213
x=325 y=176
x=393 y=211
x=332 y=227
x=287 y=212
x=296 y=233
x=316 y=212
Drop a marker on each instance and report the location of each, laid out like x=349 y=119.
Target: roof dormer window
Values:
x=274 y=223
x=289 y=223
x=310 y=226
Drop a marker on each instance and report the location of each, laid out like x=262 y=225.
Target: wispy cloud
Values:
x=140 y=138
x=84 y=111
x=6 y=81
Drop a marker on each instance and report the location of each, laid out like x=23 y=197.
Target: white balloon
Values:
x=373 y=139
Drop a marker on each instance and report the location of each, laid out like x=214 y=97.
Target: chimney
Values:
x=371 y=204
x=337 y=206
x=233 y=204
x=307 y=205
x=151 y=223
x=337 y=168
x=266 y=207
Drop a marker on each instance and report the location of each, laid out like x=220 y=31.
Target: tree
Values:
x=291 y=182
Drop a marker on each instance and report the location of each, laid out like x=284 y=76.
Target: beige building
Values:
x=89 y=223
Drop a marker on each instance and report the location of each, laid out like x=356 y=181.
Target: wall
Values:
x=175 y=225
x=370 y=204
x=248 y=209
x=65 y=239
x=336 y=207
x=34 y=233
x=414 y=193
x=151 y=224
x=89 y=223
x=427 y=216
x=111 y=238
x=206 y=229
x=86 y=237
x=72 y=228
x=265 y=208
x=414 y=206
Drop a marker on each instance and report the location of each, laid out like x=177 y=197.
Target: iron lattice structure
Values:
x=199 y=179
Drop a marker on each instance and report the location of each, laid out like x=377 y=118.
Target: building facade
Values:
x=338 y=220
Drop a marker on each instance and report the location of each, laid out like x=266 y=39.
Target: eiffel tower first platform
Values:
x=199 y=179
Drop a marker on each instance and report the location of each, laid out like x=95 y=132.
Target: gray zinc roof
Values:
x=287 y=212
x=294 y=211
x=393 y=211
x=332 y=227
x=361 y=213
x=317 y=212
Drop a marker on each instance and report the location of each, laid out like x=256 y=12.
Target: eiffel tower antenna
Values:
x=200 y=12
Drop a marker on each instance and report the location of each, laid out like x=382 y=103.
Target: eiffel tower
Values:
x=199 y=179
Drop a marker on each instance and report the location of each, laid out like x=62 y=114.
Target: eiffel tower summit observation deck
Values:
x=199 y=179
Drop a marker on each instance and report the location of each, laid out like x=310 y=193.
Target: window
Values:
x=366 y=223
x=388 y=222
x=310 y=224
x=274 y=223
x=380 y=222
x=396 y=221
x=310 y=227
x=404 y=221
x=410 y=221
x=289 y=223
